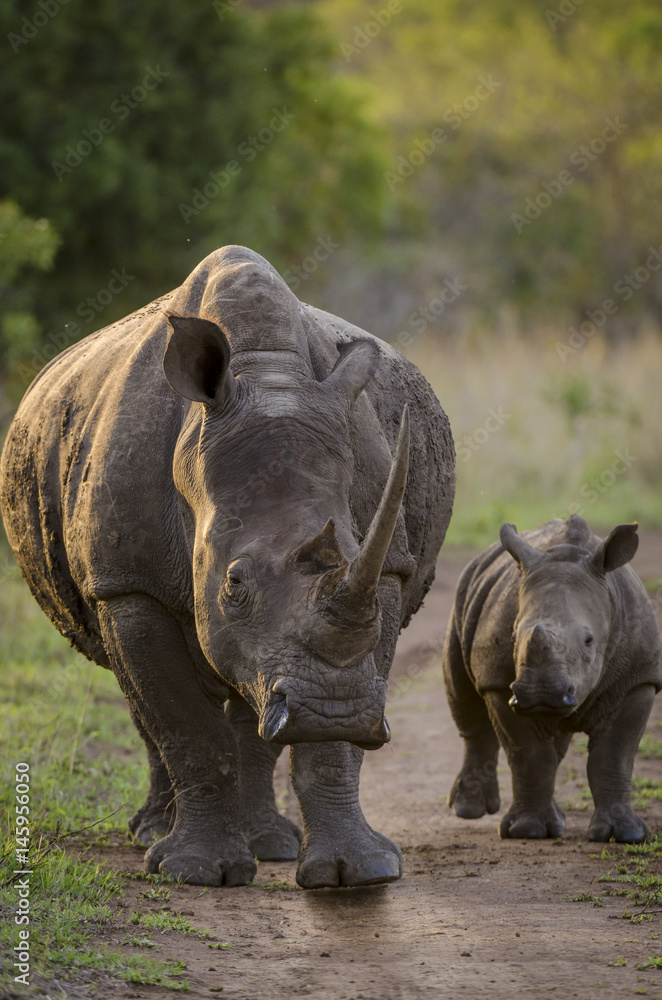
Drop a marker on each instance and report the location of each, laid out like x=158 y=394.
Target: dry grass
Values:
x=561 y=425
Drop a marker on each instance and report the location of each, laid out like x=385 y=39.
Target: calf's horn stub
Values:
x=347 y=596
x=524 y=554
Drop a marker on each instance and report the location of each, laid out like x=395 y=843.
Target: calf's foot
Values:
x=620 y=822
x=529 y=822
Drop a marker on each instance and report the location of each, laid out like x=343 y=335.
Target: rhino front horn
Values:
x=351 y=601
x=364 y=571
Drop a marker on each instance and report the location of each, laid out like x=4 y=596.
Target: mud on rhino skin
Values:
x=552 y=633
x=235 y=501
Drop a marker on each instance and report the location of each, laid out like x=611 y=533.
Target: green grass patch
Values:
x=650 y=748
x=165 y=922
x=638 y=877
x=282 y=885
x=67 y=719
x=162 y=893
x=139 y=942
x=586 y=897
x=652 y=962
x=645 y=791
x=71 y=902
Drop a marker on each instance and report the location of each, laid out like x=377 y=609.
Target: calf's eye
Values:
x=588 y=640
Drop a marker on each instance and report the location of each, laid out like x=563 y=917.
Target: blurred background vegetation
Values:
x=484 y=180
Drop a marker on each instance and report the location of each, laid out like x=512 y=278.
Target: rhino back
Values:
x=87 y=492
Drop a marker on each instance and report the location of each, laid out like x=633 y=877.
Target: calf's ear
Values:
x=524 y=554
x=197 y=359
x=617 y=549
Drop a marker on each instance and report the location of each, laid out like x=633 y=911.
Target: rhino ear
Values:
x=196 y=360
x=617 y=549
x=355 y=367
x=524 y=554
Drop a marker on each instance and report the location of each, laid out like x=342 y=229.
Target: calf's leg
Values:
x=533 y=753
x=611 y=753
x=174 y=697
x=475 y=791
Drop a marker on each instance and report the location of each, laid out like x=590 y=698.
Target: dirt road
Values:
x=473 y=916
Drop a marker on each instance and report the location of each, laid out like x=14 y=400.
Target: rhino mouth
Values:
x=286 y=720
x=541 y=709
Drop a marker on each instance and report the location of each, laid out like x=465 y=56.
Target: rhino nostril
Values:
x=569 y=697
x=276 y=718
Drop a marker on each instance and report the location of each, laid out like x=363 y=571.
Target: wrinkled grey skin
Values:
x=187 y=493
x=552 y=634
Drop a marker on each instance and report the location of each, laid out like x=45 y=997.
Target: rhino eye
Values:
x=235 y=585
x=588 y=641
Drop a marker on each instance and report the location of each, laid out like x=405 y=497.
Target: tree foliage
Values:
x=121 y=123
x=25 y=244
x=545 y=192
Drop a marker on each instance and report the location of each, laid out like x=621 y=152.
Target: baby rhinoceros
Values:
x=561 y=638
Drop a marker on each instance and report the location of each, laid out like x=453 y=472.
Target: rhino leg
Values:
x=339 y=848
x=533 y=755
x=182 y=711
x=611 y=756
x=475 y=791
x=271 y=837
x=156 y=816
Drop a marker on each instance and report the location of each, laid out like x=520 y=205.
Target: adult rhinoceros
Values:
x=207 y=497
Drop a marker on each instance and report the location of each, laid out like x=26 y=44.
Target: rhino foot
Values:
x=198 y=863
x=620 y=822
x=278 y=840
x=473 y=795
x=362 y=858
x=150 y=822
x=525 y=823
